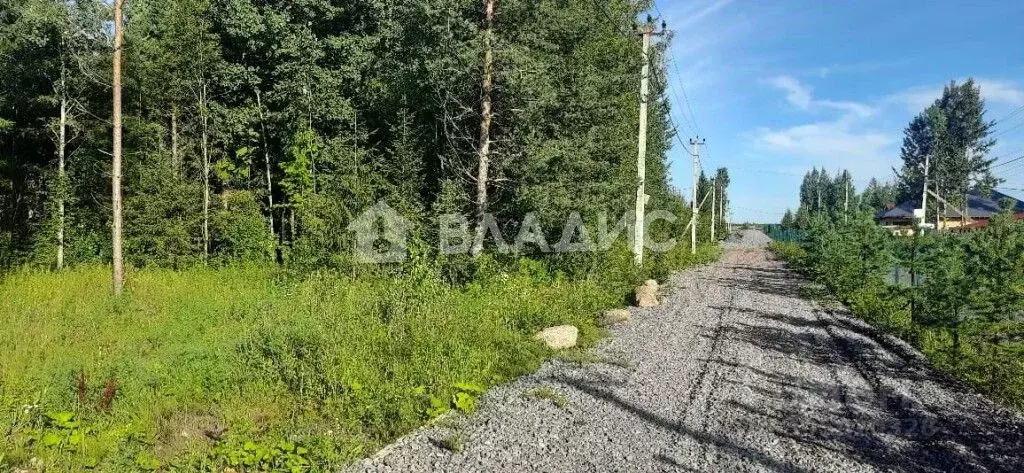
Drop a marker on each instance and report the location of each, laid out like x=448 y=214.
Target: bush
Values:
x=239 y=231
x=792 y=253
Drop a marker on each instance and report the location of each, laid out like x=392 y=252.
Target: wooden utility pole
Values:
x=486 y=112
x=115 y=169
x=695 y=142
x=641 y=161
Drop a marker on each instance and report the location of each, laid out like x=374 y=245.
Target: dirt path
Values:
x=734 y=372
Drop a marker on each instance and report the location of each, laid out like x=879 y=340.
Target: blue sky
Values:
x=779 y=87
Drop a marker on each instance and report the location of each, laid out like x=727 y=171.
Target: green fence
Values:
x=789 y=235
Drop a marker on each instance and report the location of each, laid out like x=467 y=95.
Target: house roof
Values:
x=978 y=206
x=979 y=224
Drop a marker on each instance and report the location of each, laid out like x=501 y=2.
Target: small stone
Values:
x=652 y=283
x=560 y=337
x=615 y=316
x=646 y=296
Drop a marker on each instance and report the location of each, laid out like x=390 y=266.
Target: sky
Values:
x=779 y=87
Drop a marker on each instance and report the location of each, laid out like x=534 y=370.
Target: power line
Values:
x=682 y=88
x=1004 y=163
x=655 y=72
x=1001 y=133
x=1012 y=113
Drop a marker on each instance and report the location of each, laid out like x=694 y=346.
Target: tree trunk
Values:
x=206 y=170
x=115 y=171
x=175 y=157
x=484 y=152
x=61 y=156
x=266 y=161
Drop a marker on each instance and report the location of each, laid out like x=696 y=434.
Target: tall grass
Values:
x=206 y=368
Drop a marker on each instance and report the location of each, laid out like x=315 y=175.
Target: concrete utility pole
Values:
x=846 y=201
x=695 y=142
x=115 y=168
x=924 y=190
x=484 y=151
x=641 y=161
x=714 y=195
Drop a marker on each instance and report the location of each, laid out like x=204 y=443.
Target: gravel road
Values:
x=733 y=372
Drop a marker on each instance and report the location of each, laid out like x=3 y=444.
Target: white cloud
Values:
x=1001 y=91
x=797 y=95
x=832 y=145
x=919 y=98
x=699 y=15
x=800 y=96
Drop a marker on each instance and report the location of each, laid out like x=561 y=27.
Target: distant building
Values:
x=980 y=209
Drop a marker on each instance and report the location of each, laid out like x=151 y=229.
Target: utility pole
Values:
x=695 y=142
x=924 y=190
x=115 y=169
x=640 y=214
x=714 y=195
x=484 y=150
x=846 y=201
x=964 y=216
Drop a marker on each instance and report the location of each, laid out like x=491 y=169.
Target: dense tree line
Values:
x=837 y=197
x=949 y=141
x=255 y=127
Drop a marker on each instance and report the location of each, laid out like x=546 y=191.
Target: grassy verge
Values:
x=207 y=368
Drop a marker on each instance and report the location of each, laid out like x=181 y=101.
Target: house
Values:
x=980 y=209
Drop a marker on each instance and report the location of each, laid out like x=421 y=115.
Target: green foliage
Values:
x=953 y=134
x=790 y=252
x=239 y=231
x=550 y=394
x=331 y=364
x=964 y=310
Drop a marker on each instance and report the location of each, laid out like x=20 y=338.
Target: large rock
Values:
x=560 y=337
x=646 y=296
x=652 y=283
x=614 y=316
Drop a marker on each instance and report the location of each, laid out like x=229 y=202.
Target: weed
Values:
x=454 y=443
x=548 y=393
x=107 y=398
x=578 y=356
x=619 y=361
x=81 y=388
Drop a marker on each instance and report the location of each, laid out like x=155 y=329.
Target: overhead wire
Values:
x=1004 y=163
x=655 y=72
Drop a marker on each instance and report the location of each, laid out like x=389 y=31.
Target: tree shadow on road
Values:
x=883 y=423
x=722 y=443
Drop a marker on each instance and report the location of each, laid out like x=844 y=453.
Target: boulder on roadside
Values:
x=614 y=316
x=646 y=296
x=652 y=283
x=559 y=338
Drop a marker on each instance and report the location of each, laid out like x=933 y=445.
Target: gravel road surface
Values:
x=734 y=372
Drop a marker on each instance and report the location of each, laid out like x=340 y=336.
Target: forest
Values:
x=252 y=135
x=956 y=296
